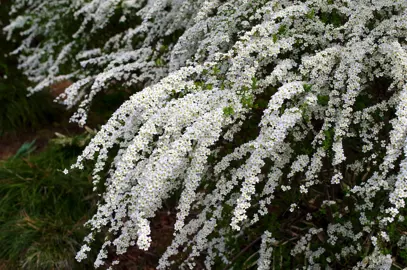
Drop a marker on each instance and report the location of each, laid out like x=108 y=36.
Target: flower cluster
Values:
x=247 y=110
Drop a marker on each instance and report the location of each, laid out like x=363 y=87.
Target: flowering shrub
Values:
x=279 y=124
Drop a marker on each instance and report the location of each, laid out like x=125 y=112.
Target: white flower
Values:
x=235 y=104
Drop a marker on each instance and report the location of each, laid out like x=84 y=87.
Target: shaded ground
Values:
x=10 y=143
x=162 y=228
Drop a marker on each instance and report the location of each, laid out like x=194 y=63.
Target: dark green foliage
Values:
x=323 y=100
x=17 y=111
x=42 y=210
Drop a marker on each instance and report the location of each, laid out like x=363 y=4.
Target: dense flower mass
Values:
x=283 y=121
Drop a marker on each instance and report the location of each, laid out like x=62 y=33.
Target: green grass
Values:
x=42 y=210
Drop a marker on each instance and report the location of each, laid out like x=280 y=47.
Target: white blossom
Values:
x=234 y=105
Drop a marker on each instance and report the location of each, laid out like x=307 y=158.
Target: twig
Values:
x=398 y=266
x=242 y=252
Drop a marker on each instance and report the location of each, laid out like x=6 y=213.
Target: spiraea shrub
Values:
x=279 y=126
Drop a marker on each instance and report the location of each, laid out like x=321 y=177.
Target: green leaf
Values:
x=159 y=62
x=25 y=149
x=282 y=29
x=307 y=87
x=209 y=86
x=228 y=111
x=311 y=14
x=329 y=134
x=323 y=100
x=254 y=83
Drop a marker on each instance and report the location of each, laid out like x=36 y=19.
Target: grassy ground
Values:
x=42 y=210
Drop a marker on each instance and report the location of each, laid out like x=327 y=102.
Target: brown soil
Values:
x=162 y=229
x=10 y=143
x=59 y=87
